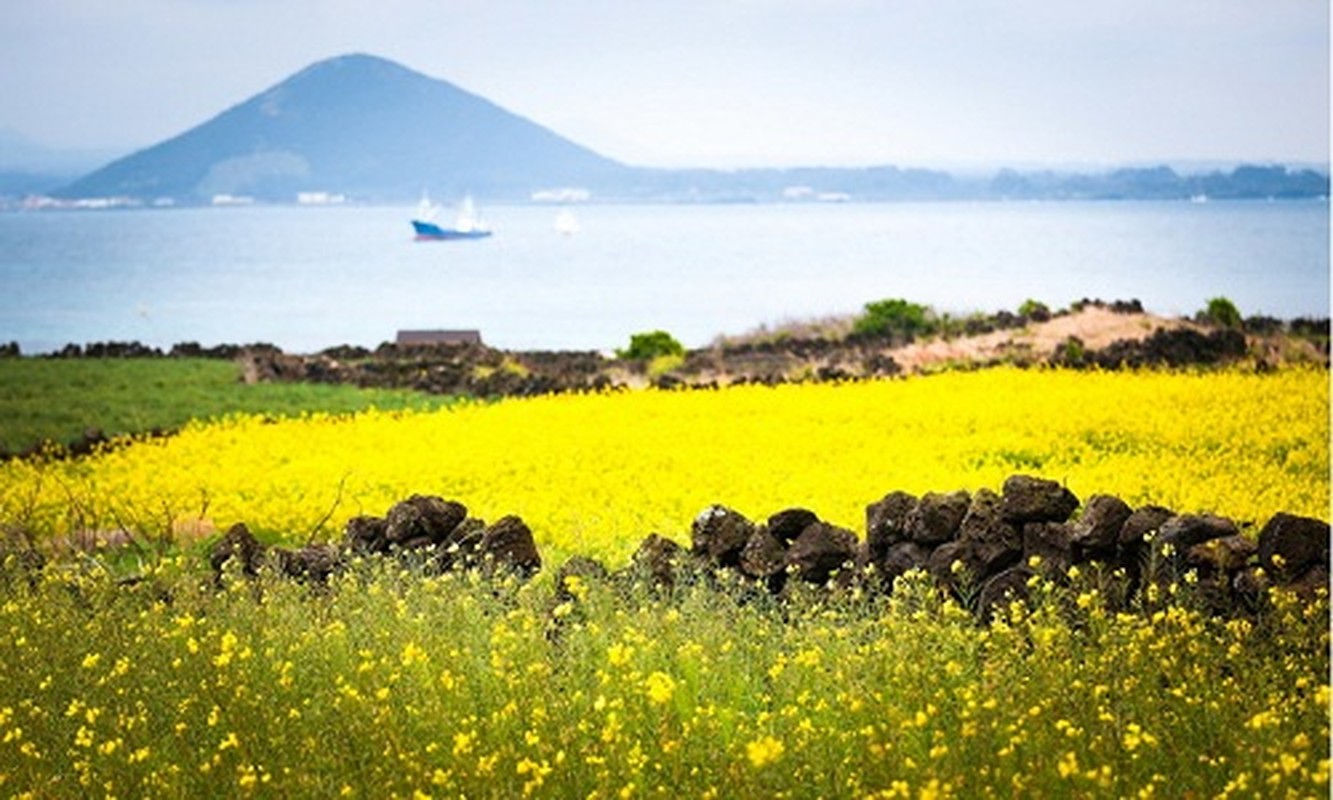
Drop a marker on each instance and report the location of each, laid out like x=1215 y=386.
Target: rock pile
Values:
x=983 y=547
x=437 y=534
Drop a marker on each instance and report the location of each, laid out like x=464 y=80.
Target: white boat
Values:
x=467 y=225
x=566 y=223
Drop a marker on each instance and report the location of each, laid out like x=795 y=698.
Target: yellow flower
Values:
x=763 y=751
x=659 y=687
x=619 y=654
x=413 y=654
x=1068 y=764
x=1135 y=736
x=463 y=742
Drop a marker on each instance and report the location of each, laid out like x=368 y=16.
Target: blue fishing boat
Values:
x=467 y=225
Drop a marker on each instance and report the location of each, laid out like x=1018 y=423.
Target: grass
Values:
x=393 y=684
x=57 y=400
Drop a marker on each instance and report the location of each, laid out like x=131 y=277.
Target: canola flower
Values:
x=593 y=474
x=387 y=685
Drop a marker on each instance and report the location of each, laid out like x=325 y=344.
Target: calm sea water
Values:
x=309 y=278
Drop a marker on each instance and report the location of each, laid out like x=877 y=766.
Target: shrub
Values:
x=1034 y=310
x=651 y=345
x=1221 y=312
x=894 y=317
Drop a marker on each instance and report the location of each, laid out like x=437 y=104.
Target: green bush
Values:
x=1221 y=312
x=651 y=345
x=894 y=317
x=1034 y=310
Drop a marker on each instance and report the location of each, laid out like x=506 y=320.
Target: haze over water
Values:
x=306 y=279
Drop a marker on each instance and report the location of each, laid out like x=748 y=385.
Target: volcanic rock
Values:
x=365 y=535
x=1029 y=499
x=993 y=543
x=763 y=555
x=1289 y=545
x=719 y=534
x=786 y=525
x=423 y=520
x=900 y=558
x=936 y=517
x=657 y=561
x=239 y=544
x=1007 y=587
x=942 y=561
x=886 y=523
x=820 y=550
x=1097 y=531
x=508 y=543
x=1051 y=543
x=1221 y=556
x=1177 y=535
x=313 y=563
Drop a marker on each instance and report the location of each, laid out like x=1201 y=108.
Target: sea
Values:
x=308 y=278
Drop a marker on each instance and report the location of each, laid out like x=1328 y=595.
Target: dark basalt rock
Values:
x=1310 y=584
x=993 y=543
x=1029 y=499
x=239 y=544
x=719 y=534
x=1052 y=543
x=900 y=558
x=1097 y=531
x=315 y=563
x=936 y=517
x=786 y=525
x=942 y=561
x=887 y=523
x=820 y=550
x=763 y=555
x=1007 y=587
x=657 y=561
x=508 y=544
x=1177 y=535
x=460 y=548
x=1145 y=520
x=1223 y=556
x=423 y=520
x=1173 y=347
x=1290 y=545
x=366 y=535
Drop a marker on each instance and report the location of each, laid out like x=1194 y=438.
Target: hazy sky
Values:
x=722 y=82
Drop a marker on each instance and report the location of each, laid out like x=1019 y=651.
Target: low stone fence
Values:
x=982 y=547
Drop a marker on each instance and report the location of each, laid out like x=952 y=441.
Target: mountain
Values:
x=356 y=125
x=372 y=130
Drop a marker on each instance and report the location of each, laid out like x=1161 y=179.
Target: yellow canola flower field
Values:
x=594 y=474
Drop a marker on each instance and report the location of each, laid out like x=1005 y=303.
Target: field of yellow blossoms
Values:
x=394 y=684
x=594 y=474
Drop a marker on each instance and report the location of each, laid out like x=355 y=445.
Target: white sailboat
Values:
x=566 y=223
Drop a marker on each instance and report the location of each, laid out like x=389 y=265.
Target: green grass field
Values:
x=58 y=400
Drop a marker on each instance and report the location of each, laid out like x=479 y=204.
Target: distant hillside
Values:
x=356 y=125
x=372 y=130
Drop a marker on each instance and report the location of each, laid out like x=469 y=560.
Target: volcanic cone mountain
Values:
x=357 y=125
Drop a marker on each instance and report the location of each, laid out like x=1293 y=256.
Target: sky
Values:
x=722 y=83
